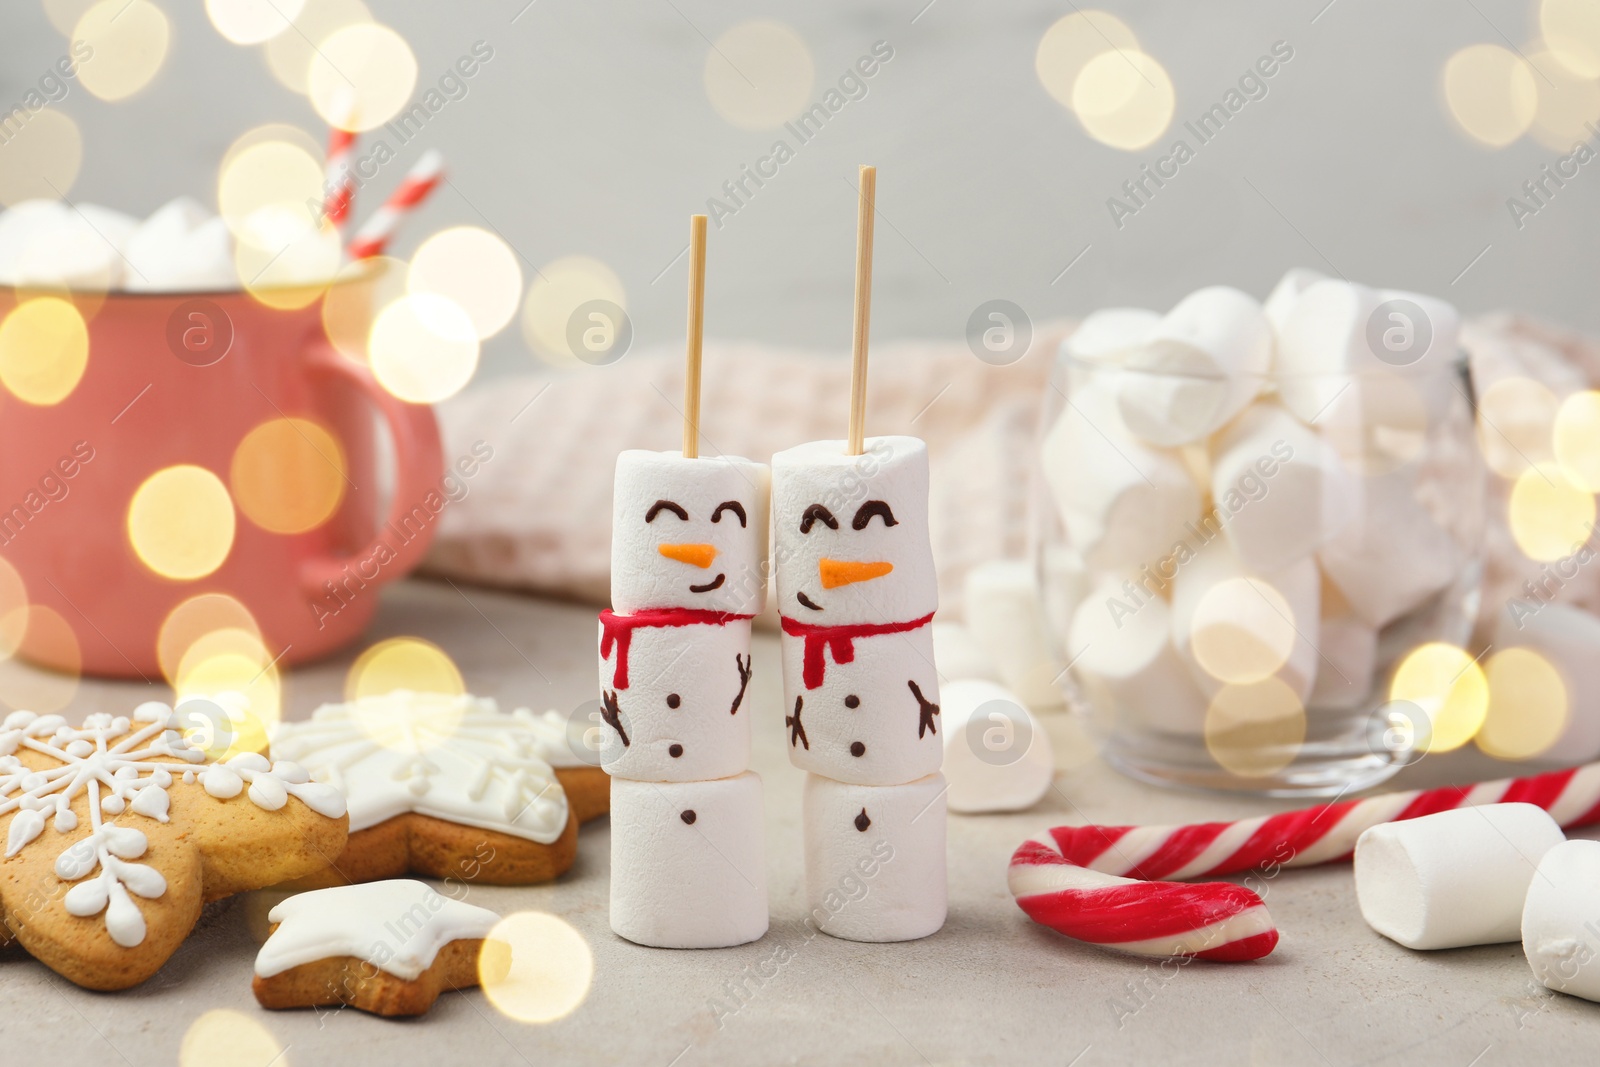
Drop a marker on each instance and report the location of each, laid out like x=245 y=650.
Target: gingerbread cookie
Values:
x=389 y=948
x=118 y=831
x=565 y=746
x=438 y=785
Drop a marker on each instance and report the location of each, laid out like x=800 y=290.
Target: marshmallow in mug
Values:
x=1282 y=299
x=1569 y=639
x=688 y=533
x=875 y=858
x=48 y=243
x=1454 y=878
x=688 y=866
x=1197 y=368
x=1120 y=645
x=1108 y=335
x=181 y=247
x=1395 y=557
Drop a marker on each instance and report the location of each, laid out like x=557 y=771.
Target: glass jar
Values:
x=1233 y=567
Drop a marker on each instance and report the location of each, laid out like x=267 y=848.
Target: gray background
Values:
x=590 y=132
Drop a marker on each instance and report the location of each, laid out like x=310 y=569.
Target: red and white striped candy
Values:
x=338 y=178
x=374 y=235
x=1072 y=879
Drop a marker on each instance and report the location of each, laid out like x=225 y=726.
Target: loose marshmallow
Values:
x=1560 y=918
x=875 y=858
x=678 y=538
x=1569 y=639
x=1283 y=296
x=956 y=654
x=997 y=757
x=1395 y=557
x=1108 y=335
x=181 y=247
x=875 y=717
x=1206 y=613
x=1349 y=657
x=852 y=533
x=1454 y=878
x=1285 y=491
x=684 y=710
x=1120 y=646
x=1123 y=502
x=1205 y=360
x=688 y=868
x=1004 y=611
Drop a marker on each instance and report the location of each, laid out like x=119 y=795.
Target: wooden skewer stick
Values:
x=865 y=213
x=697 y=332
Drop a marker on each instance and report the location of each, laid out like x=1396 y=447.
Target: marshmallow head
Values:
x=852 y=532
x=689 y=533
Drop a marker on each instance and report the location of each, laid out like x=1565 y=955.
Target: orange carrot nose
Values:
x=837 y=572
x=698 y=555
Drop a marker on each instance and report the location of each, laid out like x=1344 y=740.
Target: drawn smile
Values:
x=716 y=584
x=806 y=602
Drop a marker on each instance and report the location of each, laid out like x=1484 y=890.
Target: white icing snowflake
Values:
x=455 y=758
x=124 y=768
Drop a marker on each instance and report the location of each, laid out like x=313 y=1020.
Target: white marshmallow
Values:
x=1123 y=502
x=875 y=858
x=727 y=554
x=51 y=244
x=1349 y=657
x=181 y=247
x=870 y=510
x=1122 y=650
x=866 y=722
x=997 y=757
x=1205 y=360
x=688 y=869
x=1395 y=557
x=1004 y=611
x=1454 y=878
x=956 y=654
x=1107 y=335
x=675 y=710
x=1283 y=296
x=1284 y=490
x=1561 y=920
x=1205 y=616
x=1569 y=639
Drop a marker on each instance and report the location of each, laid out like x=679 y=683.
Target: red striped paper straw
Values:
x=374 y=235
x=339 y=179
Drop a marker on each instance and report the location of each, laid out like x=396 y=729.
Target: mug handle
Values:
x=418 y=462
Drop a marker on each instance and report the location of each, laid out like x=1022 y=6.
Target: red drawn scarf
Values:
x=618 y=630
x=840 y=640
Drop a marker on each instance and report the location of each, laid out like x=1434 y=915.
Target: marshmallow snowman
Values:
x=857 y=592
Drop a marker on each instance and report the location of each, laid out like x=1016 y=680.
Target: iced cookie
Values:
x=386 y=947
x=118 y=831
x=439 y=785
x=569 y=748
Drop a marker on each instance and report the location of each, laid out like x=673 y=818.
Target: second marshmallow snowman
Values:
x=856 y=593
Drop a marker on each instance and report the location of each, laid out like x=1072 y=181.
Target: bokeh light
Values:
x=129 y=38
x=1255 y=730
x=180 y=522
x=359 y=288
x=1575 y=439
x=268 y=133
x=1071 y=42
x=226 y=1038
x=758 y=75
x=288 y=475
x=46 y=638
x=403 y=663
x=264 y=188
x=1528 y=705
x=289 y=55
x=1568 y=104
x=194 y=619
x=44 y=348
x=1549 y=516
x=64 y=14
x=283 y=262
x=40 y=160
x=551 y=970
x=1242 y=630
x=361 y=76
x=1515 y=416
x=410 y=720
x=423 y=348
x=1491 y=93
x=13 y=609
x=474 y=268
x=1124 y=99
x=1449 y=687
x=252 y=21
x=234 y=669
x=559 y=289
x=1571 y=30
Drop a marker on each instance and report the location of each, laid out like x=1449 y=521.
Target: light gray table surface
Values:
x=991 y=987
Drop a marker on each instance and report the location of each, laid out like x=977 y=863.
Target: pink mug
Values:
x=179 y=380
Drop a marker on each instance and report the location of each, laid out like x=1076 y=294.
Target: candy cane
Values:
x=1071 y=878
x=374 y=235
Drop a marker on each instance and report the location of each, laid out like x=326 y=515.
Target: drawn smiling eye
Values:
x=729 y=505
x=665 y=505
x=866 y=511
x=817 y=513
